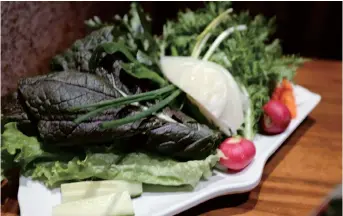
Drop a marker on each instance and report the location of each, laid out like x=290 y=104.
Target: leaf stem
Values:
x=205 y=35
x=222 y=37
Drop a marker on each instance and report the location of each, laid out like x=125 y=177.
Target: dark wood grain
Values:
x=300 y=174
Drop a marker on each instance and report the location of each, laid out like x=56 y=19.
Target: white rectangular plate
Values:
x=36 y=200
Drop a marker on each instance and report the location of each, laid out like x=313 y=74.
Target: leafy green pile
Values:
x=128 y=43
x=56 y=167
x=237 y=41
x=249 y=55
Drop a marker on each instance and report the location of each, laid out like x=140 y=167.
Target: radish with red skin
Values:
x=238 y=153
x=276 y=117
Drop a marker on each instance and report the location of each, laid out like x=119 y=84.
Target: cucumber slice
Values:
x=116 y=204
x=87 y=189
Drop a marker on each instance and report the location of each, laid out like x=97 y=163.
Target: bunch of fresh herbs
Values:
x=237 y=41
x=240 y=43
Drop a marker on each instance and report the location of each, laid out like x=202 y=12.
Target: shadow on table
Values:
x=241 y=201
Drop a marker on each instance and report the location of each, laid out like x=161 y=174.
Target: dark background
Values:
x=33 y=32
x=312 y=29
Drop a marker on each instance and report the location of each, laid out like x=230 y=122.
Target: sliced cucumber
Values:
x=87 y=189
x=116 y=204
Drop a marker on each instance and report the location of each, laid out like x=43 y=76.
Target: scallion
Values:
x=130 y=99
x=143 y=114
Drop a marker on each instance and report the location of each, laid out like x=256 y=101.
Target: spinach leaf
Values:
x=50 y=99
x=79 y=54
x=108 y=48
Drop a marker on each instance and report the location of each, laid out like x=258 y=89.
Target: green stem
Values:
x=174 y=51
x=103 y=108
x=221 y=38
x=205 y=35
x=143 y=114
x=130 y=98
x=248 y=130
x=91 y=114
x=109 y=48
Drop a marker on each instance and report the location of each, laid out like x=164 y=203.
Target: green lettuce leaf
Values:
x=134 y=166
x=105 y=163
x=22 y=148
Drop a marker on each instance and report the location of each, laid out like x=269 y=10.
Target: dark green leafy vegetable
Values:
x=146 y=28
x=108 y=48
x=134 y=68
x=78 y=56
x=49 y=100
x=56 y=167
x=128 y=31
x=142 y=68
x=142 y=72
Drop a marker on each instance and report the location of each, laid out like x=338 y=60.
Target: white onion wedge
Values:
x=210 y=86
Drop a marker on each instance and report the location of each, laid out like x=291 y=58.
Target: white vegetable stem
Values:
x=205 y=35
x=222 y=37
x=248 y=132
x=200 y=44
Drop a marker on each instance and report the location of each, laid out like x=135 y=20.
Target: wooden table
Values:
x=303 y=171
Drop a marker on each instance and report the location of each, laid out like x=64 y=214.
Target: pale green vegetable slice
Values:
x=116 y=204
x=210 y=86
x=204 y=82
x=233 y=113
x=87 y=189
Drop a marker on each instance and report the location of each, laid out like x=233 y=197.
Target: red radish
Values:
x=238 y=153
x=276 y=117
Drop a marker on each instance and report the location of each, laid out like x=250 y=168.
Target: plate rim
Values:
x=251 y=183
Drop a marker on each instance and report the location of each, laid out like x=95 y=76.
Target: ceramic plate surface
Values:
x=36 y=200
